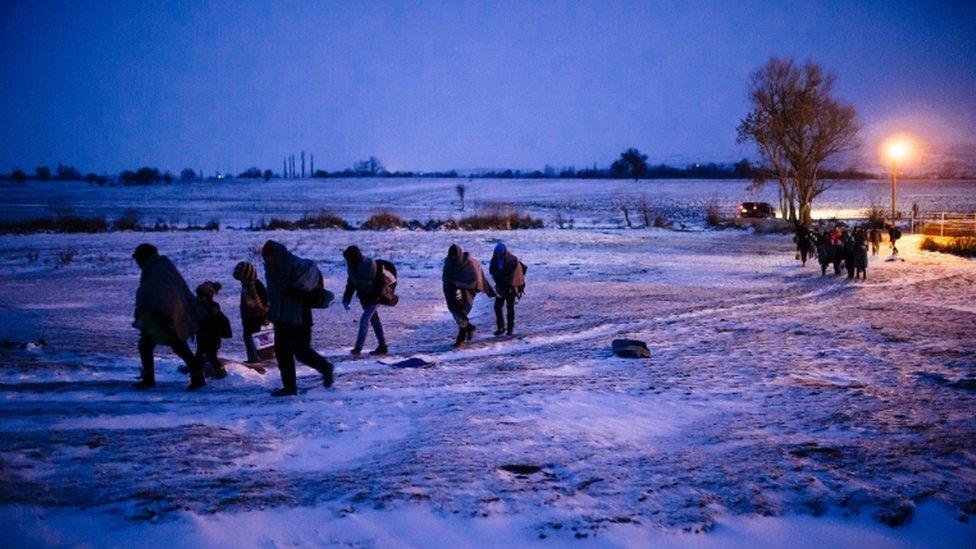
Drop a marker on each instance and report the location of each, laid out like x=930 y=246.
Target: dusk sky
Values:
x=226 y=85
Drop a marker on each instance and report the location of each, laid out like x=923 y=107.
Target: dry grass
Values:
x=499 y=217
x=383 y=220
x=964 y=246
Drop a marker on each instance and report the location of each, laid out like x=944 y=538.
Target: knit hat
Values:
x=208 y=289
x=245 y=272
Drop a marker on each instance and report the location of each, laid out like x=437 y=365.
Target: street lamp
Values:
x=897 y=151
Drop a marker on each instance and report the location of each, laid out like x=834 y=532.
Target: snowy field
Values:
x=589 y=203
x=779 y=408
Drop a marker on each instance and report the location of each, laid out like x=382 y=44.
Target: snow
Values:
x=778 y=408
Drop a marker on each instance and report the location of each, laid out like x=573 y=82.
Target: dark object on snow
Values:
x=759 y=210
x=413 y=362
x=630 y=348
x=7 y=344
x=520 y=469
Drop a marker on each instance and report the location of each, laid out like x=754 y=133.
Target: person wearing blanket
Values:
x=462 y=279
x=295 y=285
x=509 y=276
x=166 y=314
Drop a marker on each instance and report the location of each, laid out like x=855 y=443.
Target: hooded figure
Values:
x=509 y=276
x=254 y=305
x=213 y=327
x=291 y=282
x=362 y=280
x=462 y=279
x=166 y=313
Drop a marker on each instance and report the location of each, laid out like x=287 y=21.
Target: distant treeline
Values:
x=632 y=164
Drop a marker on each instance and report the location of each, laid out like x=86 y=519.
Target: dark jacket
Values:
x=462 y=279
x=290 y=280
x=508 y=273
x=214 y=326
x=254 y=305
x=164 y=296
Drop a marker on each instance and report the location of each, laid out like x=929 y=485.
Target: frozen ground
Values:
x=588 y=203
x=779 y=407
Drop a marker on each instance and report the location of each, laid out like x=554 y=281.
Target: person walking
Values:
x=804 y=243
x=860 y=256
x=214 y=326
x=166 y=313
x=462 y=279
x=366 y=278
x=295 y=285
x=509 y=276
x=254 y=305
x=894 y=233
x=875 y=238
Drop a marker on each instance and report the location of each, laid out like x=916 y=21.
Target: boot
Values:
x=461 y=336
x=499 y=331
x=510 y=329
x=327 y=377
x=285 y=392
x=379 y=351
x=219 y=372
x=356 y=352
x=196 y=381
x=144 y=384
x=469 y=332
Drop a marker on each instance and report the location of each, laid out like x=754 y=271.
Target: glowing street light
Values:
x=897 y=150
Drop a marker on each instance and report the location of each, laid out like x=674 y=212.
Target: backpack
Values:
x=385 y=283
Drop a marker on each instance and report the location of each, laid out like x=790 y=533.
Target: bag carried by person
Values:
x=263 y=342
x=385 y=283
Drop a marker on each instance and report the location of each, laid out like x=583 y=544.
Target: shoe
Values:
x=509 y=331
x=144 y=384
x=499 y=332
x=356 y=352
x=469 y=331
x=220 y=373
x=327 y=375
x=285 y=392
x=379 y=351
x=196 y=382
x=461 y=336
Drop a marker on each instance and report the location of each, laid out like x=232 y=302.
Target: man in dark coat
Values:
x=462 y=279
x=362 y=280
x=166 y=313
x=254 y=305
x=894 y=233
x=860 y=256
x=292 y=284
x=848 y=248
x=509 y=276
x=875 y=237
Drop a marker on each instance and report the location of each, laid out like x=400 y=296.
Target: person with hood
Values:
x=509 y=276
x=848 y=247
x=365 y=278
x=860 y=256
x=295 y=285
x=166 y=313
x=214 y=326
x=254 y=305
x=462 y=279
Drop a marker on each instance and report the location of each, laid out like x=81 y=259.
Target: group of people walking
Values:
x=166 y=313
x=838 y=246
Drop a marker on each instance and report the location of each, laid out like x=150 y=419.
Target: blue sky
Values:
x=436 y=85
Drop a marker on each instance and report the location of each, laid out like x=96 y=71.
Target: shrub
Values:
x=964 y=246
x=713 y=214
x=78 y=224
x=383 y=220
x=279 y=225
x=499 y=217
x=324 y=219
x=65 y=257
x=128 y=221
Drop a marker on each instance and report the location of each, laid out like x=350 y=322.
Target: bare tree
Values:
x=622 y=202
x=797 y=127
x=460 y=189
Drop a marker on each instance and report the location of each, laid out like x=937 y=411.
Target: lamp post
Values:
x=897 y=150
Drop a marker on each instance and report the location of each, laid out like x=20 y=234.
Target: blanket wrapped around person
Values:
x=165 y=308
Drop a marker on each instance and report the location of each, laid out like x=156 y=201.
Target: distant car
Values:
x=760 y=210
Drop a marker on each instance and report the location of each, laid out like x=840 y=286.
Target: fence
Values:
x=945 y=224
